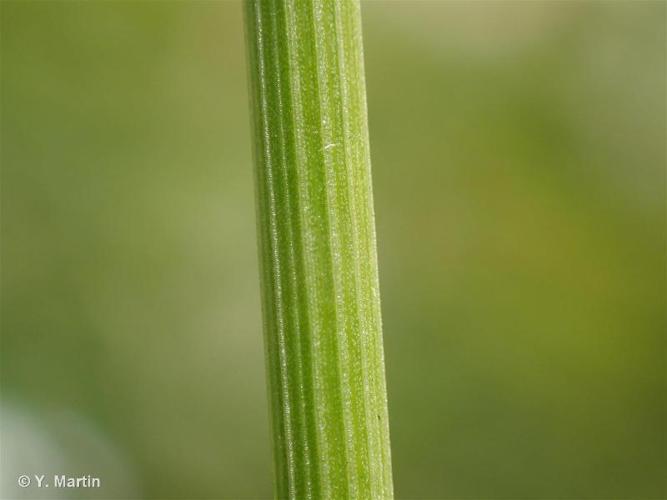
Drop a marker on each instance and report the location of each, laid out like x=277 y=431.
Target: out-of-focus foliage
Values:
x=519 y=169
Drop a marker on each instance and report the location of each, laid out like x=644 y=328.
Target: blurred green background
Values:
x=519 y=168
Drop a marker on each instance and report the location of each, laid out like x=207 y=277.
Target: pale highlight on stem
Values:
x=319 y=281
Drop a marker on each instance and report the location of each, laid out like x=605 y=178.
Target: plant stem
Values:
x=320 y=292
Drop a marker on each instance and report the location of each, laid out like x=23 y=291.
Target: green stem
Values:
x=319 y=278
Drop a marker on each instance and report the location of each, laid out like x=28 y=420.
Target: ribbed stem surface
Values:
x=319 y=278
